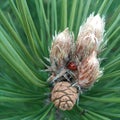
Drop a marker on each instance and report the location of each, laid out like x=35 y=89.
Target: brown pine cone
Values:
x=64 y=95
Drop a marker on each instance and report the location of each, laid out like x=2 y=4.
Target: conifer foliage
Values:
x=27 y=28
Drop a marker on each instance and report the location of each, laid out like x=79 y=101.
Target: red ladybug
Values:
x=72 y=66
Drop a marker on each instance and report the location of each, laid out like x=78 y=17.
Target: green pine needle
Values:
x=26 y=31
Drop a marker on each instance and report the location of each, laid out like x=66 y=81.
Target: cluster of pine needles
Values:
x=26 y=31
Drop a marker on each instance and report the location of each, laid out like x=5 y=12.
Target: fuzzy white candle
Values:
x=90 y=36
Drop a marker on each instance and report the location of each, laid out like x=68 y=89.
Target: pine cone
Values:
x=64 y=95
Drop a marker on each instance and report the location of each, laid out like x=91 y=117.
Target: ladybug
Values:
x=72 y=66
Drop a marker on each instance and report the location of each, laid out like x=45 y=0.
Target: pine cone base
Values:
x=64 y=95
